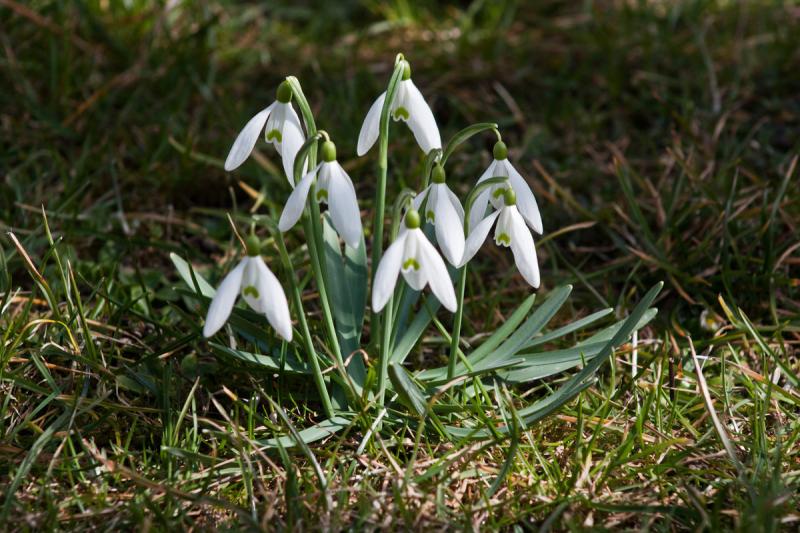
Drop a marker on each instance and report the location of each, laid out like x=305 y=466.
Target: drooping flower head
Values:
x=260 y=289
x=444 y=211
x=335 y=188
x=409 y=106
x=415 y=257
x=512 y=232
x=526 y=202
x=281 y=127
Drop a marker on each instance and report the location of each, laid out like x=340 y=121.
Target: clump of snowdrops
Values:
x=433 y=236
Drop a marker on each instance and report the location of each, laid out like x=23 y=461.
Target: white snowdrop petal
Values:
x=456 y=204
x=523 y=248
x=222 y=303
x=386 y=275
x=293 y=139
x=246 y=140
x=343 y=205
x=421 y=120
x=369 y=129
x=477 y=235
x=526 y=201
x=272 y=299
x=296 y=202
x=479 y=205
x=449 y=231
x=412 y=267
x=436 y=275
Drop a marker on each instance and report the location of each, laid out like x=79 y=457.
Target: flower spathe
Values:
x=260 y=289
x=415 y=257
x=443 y=210
x=335 y=188
x=511 y=231
x=281 y=127
x=409 y=106
x=526 y=202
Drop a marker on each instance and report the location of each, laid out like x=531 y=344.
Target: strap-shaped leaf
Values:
x=577 y=383
x=317 y=432
x=290 y=363
x=569 y=328
x=194 y=280
x=348 y=297
x=409 y=392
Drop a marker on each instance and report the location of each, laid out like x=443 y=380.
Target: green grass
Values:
x=660 y=139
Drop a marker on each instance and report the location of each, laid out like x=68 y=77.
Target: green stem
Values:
x=312 y=226
x=456 y=335
x=377 y=230
x=462 y=280
x=319 y=380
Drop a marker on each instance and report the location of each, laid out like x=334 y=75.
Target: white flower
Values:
x=281 y=127
x=335 y=188
x=444 y=211
x=413 y=255
x=526 y=202
x=409 y=106
x=511 y=231
x=260 y=289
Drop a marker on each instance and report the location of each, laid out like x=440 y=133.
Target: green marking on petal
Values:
x=410 y=263
x=504 y=238
x=250 y=291
x=431 y=216
x=401 y=112
x=274 y=135
x=322 y=194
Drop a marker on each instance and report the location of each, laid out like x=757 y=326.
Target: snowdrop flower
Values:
x=420 y=263
x=260 y=289
x=511 y=231
x=501 y=167
x=444 y=211
x=335 y=188
x=281 y=127
x=408 y=106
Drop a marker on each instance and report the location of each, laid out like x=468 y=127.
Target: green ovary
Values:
x=274 y=135
x=499 y=192
x=250 y=291
x=410 y=263
x=401 y=112
x=504 y=238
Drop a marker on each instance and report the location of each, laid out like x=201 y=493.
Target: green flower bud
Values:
x=406 y=70
x=500 y=151
x=412 y=219
x=284 y=94
x=328 y=151
x=438 y=174
x=253 y=245
x=510 y=197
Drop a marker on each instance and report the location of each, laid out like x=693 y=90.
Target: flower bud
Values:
x=412 y=219
x=438 y=174
x=253 y=245
x=510 y=197
x=284 y=94
x=500 y=151
x=328 y=151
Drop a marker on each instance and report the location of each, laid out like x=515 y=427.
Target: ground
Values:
x=660 y=138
